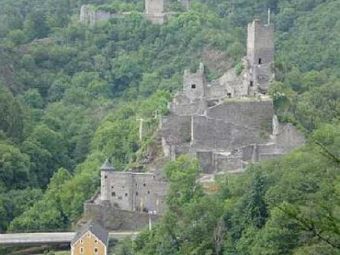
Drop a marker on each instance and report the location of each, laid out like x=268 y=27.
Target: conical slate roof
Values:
x=107 y=166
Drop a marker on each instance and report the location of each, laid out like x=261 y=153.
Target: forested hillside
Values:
x=70 y=96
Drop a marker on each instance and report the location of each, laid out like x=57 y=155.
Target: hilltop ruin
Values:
x=230 y=122
x=226 y=124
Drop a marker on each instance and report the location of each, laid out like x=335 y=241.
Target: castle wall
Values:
x=225 y=163
x=233 y=84
x=89 y=15
x=184 y=107
x=117 y=189
x=103 y=16
x=133 y=191
x=288 y=138
x=176 y=129
x=252 y=113
x=206 y=161
x=112 y=218
x=232 y=125
x=149 y=193
x=194 y=83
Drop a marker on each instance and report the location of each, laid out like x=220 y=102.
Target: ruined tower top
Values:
x=194 y=83
x=154 y=7
x=260 y=55
x=260 y=44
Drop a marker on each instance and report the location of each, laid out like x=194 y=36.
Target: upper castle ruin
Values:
x=226 y=124
x=230 y=122
x=155 y=11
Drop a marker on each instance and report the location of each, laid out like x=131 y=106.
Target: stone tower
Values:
x=194 y=83
x=154 y=11
x=105 y=170
x=260 y=55
x=154 y=7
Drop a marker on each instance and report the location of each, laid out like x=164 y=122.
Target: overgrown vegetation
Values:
x=70 y=96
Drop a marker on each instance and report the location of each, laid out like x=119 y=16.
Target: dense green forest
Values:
x=70 y=96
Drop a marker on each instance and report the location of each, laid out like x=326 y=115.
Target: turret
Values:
x=105 y=170
x=260 y=55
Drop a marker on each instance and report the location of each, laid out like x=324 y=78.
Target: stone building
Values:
x=141 y=192
x=90 y=16
x=260 y=54
x=154 y=10
x=90 y=239
x=230 y=122
x=126 y=198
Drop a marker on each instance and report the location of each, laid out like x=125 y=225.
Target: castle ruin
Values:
x=226 y=124
x=230 y=122
x=126 y=198
x=90 y=16
x=154 y=10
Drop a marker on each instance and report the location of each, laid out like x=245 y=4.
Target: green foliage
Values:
x=10 y=114
x=14 y=167
x=71 y=96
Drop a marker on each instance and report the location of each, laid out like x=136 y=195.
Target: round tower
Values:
x=105 y=172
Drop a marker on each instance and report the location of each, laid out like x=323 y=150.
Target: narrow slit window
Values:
x=251 y=84
x=260 y=61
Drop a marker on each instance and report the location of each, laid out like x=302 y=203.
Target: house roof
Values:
x=96 y=229
x=107 y=166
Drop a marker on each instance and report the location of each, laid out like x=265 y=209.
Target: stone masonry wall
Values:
x=133 y=191
x=233 y=124
x=112 y=218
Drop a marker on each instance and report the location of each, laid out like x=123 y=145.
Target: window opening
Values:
x=193 y=86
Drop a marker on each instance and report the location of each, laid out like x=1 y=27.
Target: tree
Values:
x=14 y=167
